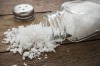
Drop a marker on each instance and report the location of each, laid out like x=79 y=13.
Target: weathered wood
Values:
x=81 y=54
x=39 y=5
x=86 y=53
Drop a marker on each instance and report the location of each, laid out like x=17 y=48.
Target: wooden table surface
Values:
x=85 y=53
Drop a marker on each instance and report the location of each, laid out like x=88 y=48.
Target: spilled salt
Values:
x=30 y=41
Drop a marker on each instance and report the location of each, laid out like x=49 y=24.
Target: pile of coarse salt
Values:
x=30 y=41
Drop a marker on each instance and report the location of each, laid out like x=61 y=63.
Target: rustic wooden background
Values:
x=86 y=53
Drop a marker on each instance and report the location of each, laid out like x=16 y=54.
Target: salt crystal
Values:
x=20 y=50
x=26 y=54
x=30 y=56
x=14 y=65
x=25 y=64
x=13 y=50
x=30 y=41
x=39 y=58
x=8 y=48
x=34 y=50
x=45 y=56
x=8 y=30
x=23 y=58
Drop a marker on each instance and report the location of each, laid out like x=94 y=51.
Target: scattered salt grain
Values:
x=25 y=64
x=25 y=54
x=14 y=65
x=30 y=41
x=8 y=48
x=45 y=56
x=39 y=58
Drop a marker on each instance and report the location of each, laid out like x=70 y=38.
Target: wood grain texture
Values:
x=83 y=54
x=39 y=5
x=86 y=53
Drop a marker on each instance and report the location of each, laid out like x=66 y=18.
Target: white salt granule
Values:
x=30 y=41
x=8 y=48
x=13 y=50
x=31 y=56
x=26 y=54
x=39 y=58
x=14 y=65
x=25 y=64
x=20 y=50
x=45 y=56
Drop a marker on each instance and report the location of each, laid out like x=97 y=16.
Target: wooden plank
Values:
x=39 y=5
x=85 y=53
x=80 y=54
